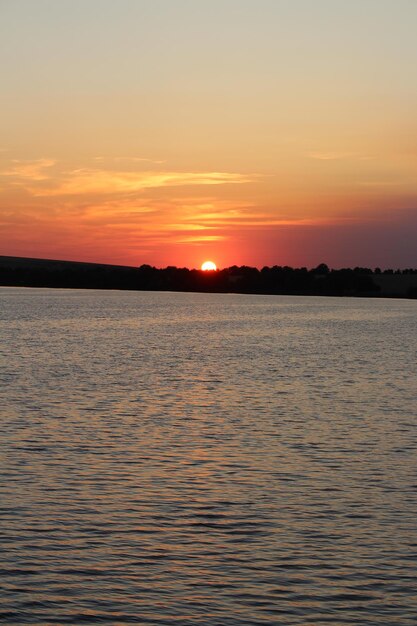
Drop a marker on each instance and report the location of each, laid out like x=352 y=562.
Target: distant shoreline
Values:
x=276 y=280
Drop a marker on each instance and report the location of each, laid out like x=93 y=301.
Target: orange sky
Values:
x=247 y=132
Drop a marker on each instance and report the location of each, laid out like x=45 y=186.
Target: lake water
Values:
x=210 y=460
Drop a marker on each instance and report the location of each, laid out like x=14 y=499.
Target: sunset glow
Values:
x=297 y=149
x=208 y=266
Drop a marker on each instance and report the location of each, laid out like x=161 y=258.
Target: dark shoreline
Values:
x=276 y=280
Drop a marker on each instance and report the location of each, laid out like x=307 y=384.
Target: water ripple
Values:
x=207 y=460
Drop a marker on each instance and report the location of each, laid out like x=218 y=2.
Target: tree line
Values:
x=320 y=280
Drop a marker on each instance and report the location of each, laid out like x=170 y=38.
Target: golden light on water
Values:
x=208 y=266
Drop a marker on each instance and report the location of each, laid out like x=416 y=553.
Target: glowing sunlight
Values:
x=208 y=266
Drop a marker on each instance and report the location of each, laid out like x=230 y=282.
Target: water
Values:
x=211 y=460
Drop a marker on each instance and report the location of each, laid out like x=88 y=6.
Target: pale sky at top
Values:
x=259 y=125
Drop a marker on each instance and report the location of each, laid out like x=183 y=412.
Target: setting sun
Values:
x=208 y=266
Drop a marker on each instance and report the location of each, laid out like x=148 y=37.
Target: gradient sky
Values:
x=174 y=131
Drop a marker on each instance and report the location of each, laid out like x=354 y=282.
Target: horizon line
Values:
x=218 y=269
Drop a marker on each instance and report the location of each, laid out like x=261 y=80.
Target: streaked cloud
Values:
x=337 y=156
x=37 y=178
x=97 y=182
x=129 y=159
x=29 y=170
x=202 y=239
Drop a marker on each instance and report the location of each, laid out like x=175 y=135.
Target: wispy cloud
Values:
x=201 y=238
x=379 y=183
x=128 y=159
x=97 y=181
x=29 y=170
x=337 y=156
x=46 y=177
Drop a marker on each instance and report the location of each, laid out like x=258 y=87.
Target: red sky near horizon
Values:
x=245 y=132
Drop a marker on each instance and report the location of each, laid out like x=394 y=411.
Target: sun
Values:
x=208 y=266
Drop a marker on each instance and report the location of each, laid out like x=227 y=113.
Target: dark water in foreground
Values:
x=207 y=459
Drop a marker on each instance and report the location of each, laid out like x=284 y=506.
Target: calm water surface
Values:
x=207 y=460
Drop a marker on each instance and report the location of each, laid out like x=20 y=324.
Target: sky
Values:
x=169 y=132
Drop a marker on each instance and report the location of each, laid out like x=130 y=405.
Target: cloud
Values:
x=129 y=159
x=97 y=181
x=337 y=156
x=29 y=170
x=37 y=178
x=202 y=239
x=219 y=214
x=329 y=156
x=378 y=183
